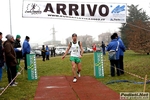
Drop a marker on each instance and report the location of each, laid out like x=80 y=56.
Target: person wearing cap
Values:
x=1 y=58
x=10 y=58
x=76 y=54
x=26 y=50
x=17 y=47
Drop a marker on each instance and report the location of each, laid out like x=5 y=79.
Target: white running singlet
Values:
x=75 y=49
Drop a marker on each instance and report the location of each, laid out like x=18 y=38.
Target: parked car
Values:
x=38 y=52
x=89 y=50
x=58 y=51
x=62 y=51
x=98 y=49
x=32 y=52
x=85 y=50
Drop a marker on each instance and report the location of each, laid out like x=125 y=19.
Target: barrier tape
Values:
x=11 y=82
x=140 y=77
x=118 y=81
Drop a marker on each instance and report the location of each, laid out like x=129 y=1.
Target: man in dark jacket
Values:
x=54 y=49
x=43 y=52
x=1 y=58
x=17 y=47
x=26 y=50
x=103 y=47
x=51 y=52
x=10 y=57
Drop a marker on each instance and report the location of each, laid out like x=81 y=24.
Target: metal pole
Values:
x=145 y=83
x=10 y=17
x=53 y=35
x=54 y=38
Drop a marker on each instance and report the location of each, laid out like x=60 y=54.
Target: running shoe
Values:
x=74 y=80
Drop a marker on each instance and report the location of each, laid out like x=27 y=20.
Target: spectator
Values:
x=94 y=47
x=10 y=57
x=121 y=53
x=43 y=52
x=47 y=53
x=4 y=66
x=54 y=49
x=17 y=47
x=51 y=52
x=1 y=58
x=103 y=47
x=26 y=50
x=113 y=48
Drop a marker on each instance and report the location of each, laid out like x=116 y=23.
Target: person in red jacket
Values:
x=94 y=47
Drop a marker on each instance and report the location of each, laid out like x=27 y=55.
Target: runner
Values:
x=76 y=53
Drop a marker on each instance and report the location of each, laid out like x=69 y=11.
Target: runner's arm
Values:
x=66 y=51
x=81 y=48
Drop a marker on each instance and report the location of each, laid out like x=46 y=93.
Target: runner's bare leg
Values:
x=73 y=68
x=79 y=67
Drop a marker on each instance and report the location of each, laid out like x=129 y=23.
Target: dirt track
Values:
x=62 y=88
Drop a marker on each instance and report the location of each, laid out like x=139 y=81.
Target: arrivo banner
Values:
x=100 y=12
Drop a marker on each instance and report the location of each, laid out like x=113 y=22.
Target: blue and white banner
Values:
x=100 y=12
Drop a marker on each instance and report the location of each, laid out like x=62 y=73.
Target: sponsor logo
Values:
x=116 y=19
x=33 y=9
x=118 y=9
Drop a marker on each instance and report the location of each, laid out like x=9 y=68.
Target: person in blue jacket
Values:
x=47 y=53
x=114 y=63
x=26 y=50
x=121 y=53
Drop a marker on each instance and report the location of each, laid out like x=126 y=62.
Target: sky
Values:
x=40 y=30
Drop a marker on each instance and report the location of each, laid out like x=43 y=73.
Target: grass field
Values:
x=135 y=63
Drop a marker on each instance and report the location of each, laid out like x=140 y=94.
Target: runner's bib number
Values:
x=75 y=50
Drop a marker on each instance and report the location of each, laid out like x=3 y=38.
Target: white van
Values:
x=61 y=49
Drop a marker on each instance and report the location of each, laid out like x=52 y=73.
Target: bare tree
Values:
x=139 y=38
x=105 y=37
